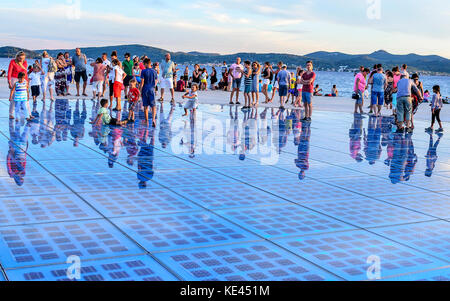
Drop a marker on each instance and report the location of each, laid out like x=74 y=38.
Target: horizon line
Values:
x=221 y=54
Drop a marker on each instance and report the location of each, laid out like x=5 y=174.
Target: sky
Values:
x=229 y=26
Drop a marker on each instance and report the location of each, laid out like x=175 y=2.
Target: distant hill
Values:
x=10 y=52
x=322 y=60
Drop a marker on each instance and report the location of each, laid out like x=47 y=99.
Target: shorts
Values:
x=111 y=88
x=117 y=89
x=404 y=108
x=79 y=75
x=126 y=80
x=360 y=101
x=276 y=85
x=237 y=83
x=248 y=89
x=283 y=90
x=377 y=98
x=148 y=98
x=35 y=91
x=167 y=83
x=306 y=97
x=266 y=82
x=191 y=104
x=97 y=87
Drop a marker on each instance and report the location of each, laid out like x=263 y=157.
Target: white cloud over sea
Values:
x=290 y=26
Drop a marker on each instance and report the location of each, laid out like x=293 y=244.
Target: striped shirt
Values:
x=21 y=91
x=247 y=80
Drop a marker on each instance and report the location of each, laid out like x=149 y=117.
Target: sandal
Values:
x=11 y=117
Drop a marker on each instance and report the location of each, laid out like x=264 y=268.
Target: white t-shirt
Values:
x=119 y=73
x=35 y=78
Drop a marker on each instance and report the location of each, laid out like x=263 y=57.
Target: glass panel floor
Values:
x=222 y=195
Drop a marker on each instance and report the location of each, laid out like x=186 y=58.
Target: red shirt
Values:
x=14 y=69
x=134 y=95
x=309 y=76
x=141 y=66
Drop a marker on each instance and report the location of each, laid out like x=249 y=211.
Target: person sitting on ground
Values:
x=317 y=91
x=104 y=116
x=181 y=86
x=334 y=92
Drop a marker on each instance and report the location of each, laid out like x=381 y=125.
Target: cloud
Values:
x=286 y=22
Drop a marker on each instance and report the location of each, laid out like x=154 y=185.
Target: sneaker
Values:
x=409 y=130
x=400 y=131
x=440 y=130
x=428 y=130
x=309 y=119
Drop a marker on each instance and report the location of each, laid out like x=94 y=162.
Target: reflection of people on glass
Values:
x=165 y=126
x=302 y=162
x=282 y=132
x=372 y=141
x=77 y=129
x=146 y=157
x=34 y=131
x=46 y=131
x=115 y=143
x=411 y=158
x=16 y=159
x=403 y=160
x=245 y=143
x=432 y=154
x=264 y=129
x=63 y=115
x=233 y=134
x=355 y=134
x=130 y=142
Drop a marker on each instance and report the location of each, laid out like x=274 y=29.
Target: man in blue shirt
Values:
x=379 y=84
x=283 y=78
x=149 y=79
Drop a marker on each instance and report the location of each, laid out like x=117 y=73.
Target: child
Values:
x=436 y=106
x=105 y=117
x=293 y=92
x=192 y=97
x=247 y=84
x=426 y=96
x=133 y=97
x=35 y=81
x=20 y=96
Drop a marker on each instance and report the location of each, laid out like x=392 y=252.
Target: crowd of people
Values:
x=396 y=90
x=137 y=78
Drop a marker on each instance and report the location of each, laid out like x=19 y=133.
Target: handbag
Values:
x=355 y=96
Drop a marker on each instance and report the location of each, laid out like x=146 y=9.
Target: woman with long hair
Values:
x=61 y=76
x=17 y=65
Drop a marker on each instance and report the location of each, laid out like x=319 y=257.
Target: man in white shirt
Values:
x=236 y=71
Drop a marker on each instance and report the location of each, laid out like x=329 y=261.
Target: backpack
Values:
x=52 y=67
